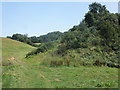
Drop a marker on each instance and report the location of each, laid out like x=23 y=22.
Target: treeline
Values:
x=47 y=38
x=53 y=36
x=98 y=28
x=22 y=38
x=42 y=48
x=96 y=38
x=95 y=41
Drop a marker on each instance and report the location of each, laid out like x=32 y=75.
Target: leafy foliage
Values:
x=99 y=28
x=22 y=38
x=46 y=38
x=42 y=48
x=53 y=36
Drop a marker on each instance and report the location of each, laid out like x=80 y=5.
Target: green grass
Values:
x=13 y=48
x=81 y=77
x=72 y=77
x=37 y=43
x=12 y=52
x=35 y=71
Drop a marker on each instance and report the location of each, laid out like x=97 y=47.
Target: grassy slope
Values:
x=31 y=73
x=13 y=48
x=12 y=52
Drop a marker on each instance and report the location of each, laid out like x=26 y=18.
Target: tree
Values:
x=89 y=19
x=23 y=38
x=9 y=37
x=97 y=8
x=34 y=39
x=96 y=13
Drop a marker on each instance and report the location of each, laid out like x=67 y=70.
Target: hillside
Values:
x=12 y=54
x=86 y=56
x=12 y=48
x=36 y=72
x=94 y=41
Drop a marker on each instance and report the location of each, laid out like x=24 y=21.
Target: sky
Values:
x=39 y=18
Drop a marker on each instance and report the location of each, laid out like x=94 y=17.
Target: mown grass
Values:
x=12 y=54
x=82 y=77
x=40 y=76
x=73 y=77
x=13 y=48
x=36 y=72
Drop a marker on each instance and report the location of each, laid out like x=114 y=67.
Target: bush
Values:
x=31 y=53
x=41 y=49
x=9 y=37
x=61 y=50
x=22 y=38
x=55 y=63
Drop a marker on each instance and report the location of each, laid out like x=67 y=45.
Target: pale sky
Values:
x=39 y=18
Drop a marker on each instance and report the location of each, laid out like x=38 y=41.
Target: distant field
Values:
x=20 y=72
x=37 y=43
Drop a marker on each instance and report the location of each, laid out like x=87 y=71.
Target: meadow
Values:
x=36 y=72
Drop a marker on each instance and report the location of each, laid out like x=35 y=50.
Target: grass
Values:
x=34 y=76
x=81 y=77
x=13 y=48
x=73 y=77
x=12 y=52
x=35 y=71
x=37 y=43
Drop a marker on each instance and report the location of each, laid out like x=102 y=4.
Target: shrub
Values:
x=68 y=62
x=55 y=63
x=113 y=65
x=31 y=53
x=9 y=37
x=61 y=50
x=86 y=63
x=109 y=64
x=97 y=63
x=41 y=49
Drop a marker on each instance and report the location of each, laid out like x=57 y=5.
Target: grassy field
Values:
x=32 y=73
x=12 y=48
